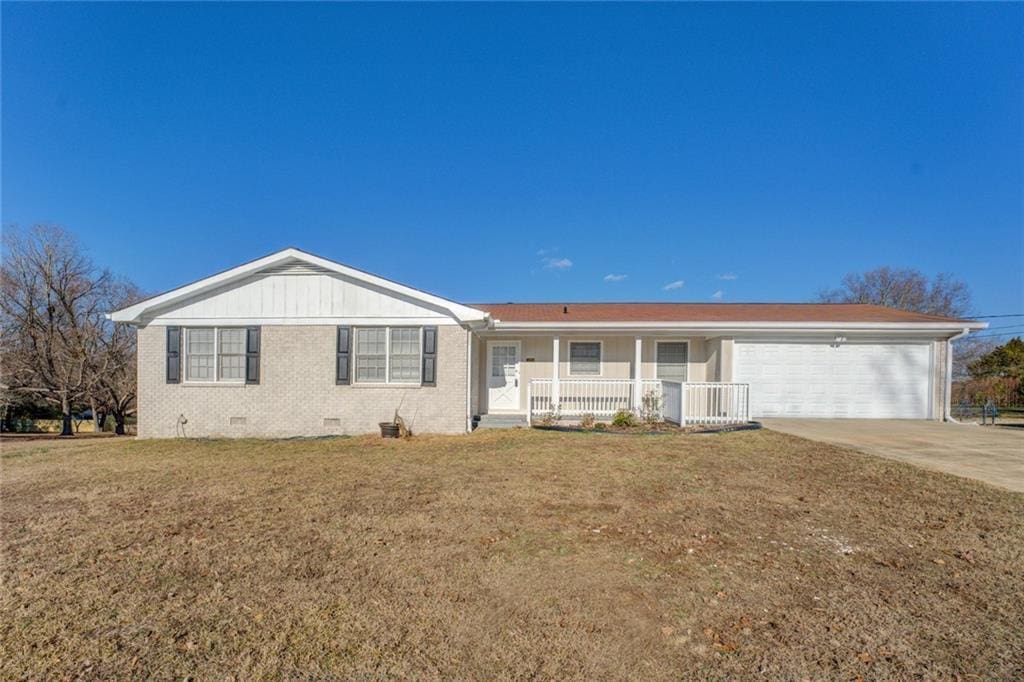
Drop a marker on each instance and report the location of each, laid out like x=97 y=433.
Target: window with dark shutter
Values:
x=342 y=373
x=173 y=355
x=430 y=356
x=252 y=355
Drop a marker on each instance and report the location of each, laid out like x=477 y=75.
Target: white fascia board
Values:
x=305 y=321
x=134 y=314
x=726 y=328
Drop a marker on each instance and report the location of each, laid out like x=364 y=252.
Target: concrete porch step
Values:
x=501 y=421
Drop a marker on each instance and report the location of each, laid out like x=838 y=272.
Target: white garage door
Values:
x=881 y=381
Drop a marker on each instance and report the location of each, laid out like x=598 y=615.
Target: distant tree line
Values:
x=996 y=375
x=982 y=369
x=59 y=351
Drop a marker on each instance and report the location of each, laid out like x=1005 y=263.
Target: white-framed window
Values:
x=672 y=358
x=585 y=358
x=404 y=360
x=391 y=355
x=215 y=354
x=231 y=354
x=371 y=355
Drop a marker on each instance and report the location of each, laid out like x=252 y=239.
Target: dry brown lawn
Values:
x=502 y=555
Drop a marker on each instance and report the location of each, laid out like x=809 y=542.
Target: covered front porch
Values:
x=679 y=379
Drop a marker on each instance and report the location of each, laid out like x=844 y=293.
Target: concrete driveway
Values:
x=991 y=454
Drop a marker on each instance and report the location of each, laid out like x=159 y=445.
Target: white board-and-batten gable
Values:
x=294 y=287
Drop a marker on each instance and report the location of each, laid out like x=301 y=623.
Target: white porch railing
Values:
x=705 y=402
x=682 y=402
x=576 y=397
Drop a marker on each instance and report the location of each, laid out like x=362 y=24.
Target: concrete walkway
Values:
x=991 y=454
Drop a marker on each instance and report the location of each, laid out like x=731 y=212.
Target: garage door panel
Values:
x=822 y=380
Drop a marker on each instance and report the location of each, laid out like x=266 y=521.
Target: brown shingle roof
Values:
x=701 y=312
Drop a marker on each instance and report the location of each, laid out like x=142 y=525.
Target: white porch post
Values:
x=637 y=380
x=555 y=362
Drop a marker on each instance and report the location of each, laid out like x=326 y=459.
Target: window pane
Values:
x=200 y=341
x=405 y=368
x=199 y=354
x=405 y=341
x=231 y=354
x=503 y=361
x=232 y=367
x=585 y=358
x=370 y=368
x=370 y=342
x=232 y=341
x=200 y=367
x=405 y=355
x=672 y=358
x=370 y=360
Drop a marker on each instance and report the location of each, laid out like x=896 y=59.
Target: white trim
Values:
x=305 y=321
x=469 y=381
x=947 y=399
x=135 y=314
x=658 y=342
x=387 y=357
x=638 y=372
x=518 y=409
x=216 y=381
x=931 y=380
x=600 y=358
x=556 y=372
x=726 y=327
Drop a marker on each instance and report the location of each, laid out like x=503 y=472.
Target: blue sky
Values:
x=527 y=152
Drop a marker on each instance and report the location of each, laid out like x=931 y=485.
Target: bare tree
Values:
x=903 y=289
x=52 y=305
x=966 y=352
x=114 y=366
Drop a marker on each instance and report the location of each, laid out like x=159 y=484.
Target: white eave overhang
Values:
x=142 y=311
x=739 y=328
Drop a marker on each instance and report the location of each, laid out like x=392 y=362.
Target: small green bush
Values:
x=600 y=426
x=624 y=418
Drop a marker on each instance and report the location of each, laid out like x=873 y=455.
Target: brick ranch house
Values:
x=293 y=344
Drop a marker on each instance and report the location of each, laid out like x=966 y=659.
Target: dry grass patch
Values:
x=502 y=554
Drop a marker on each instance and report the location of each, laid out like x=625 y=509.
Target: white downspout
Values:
x=469 y=380
x=947 y=407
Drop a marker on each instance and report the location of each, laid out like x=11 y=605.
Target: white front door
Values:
x=502 y=375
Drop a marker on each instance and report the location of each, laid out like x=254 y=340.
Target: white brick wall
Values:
x=297 y=392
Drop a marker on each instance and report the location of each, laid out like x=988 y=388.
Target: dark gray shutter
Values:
x=252 y=355
x=430 y=356
x=174 y=355
x=342 y=373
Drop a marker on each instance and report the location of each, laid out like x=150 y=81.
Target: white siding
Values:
x=291 y=295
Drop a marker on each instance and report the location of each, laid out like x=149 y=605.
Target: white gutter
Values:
x=738 y=326
x=948 y=407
